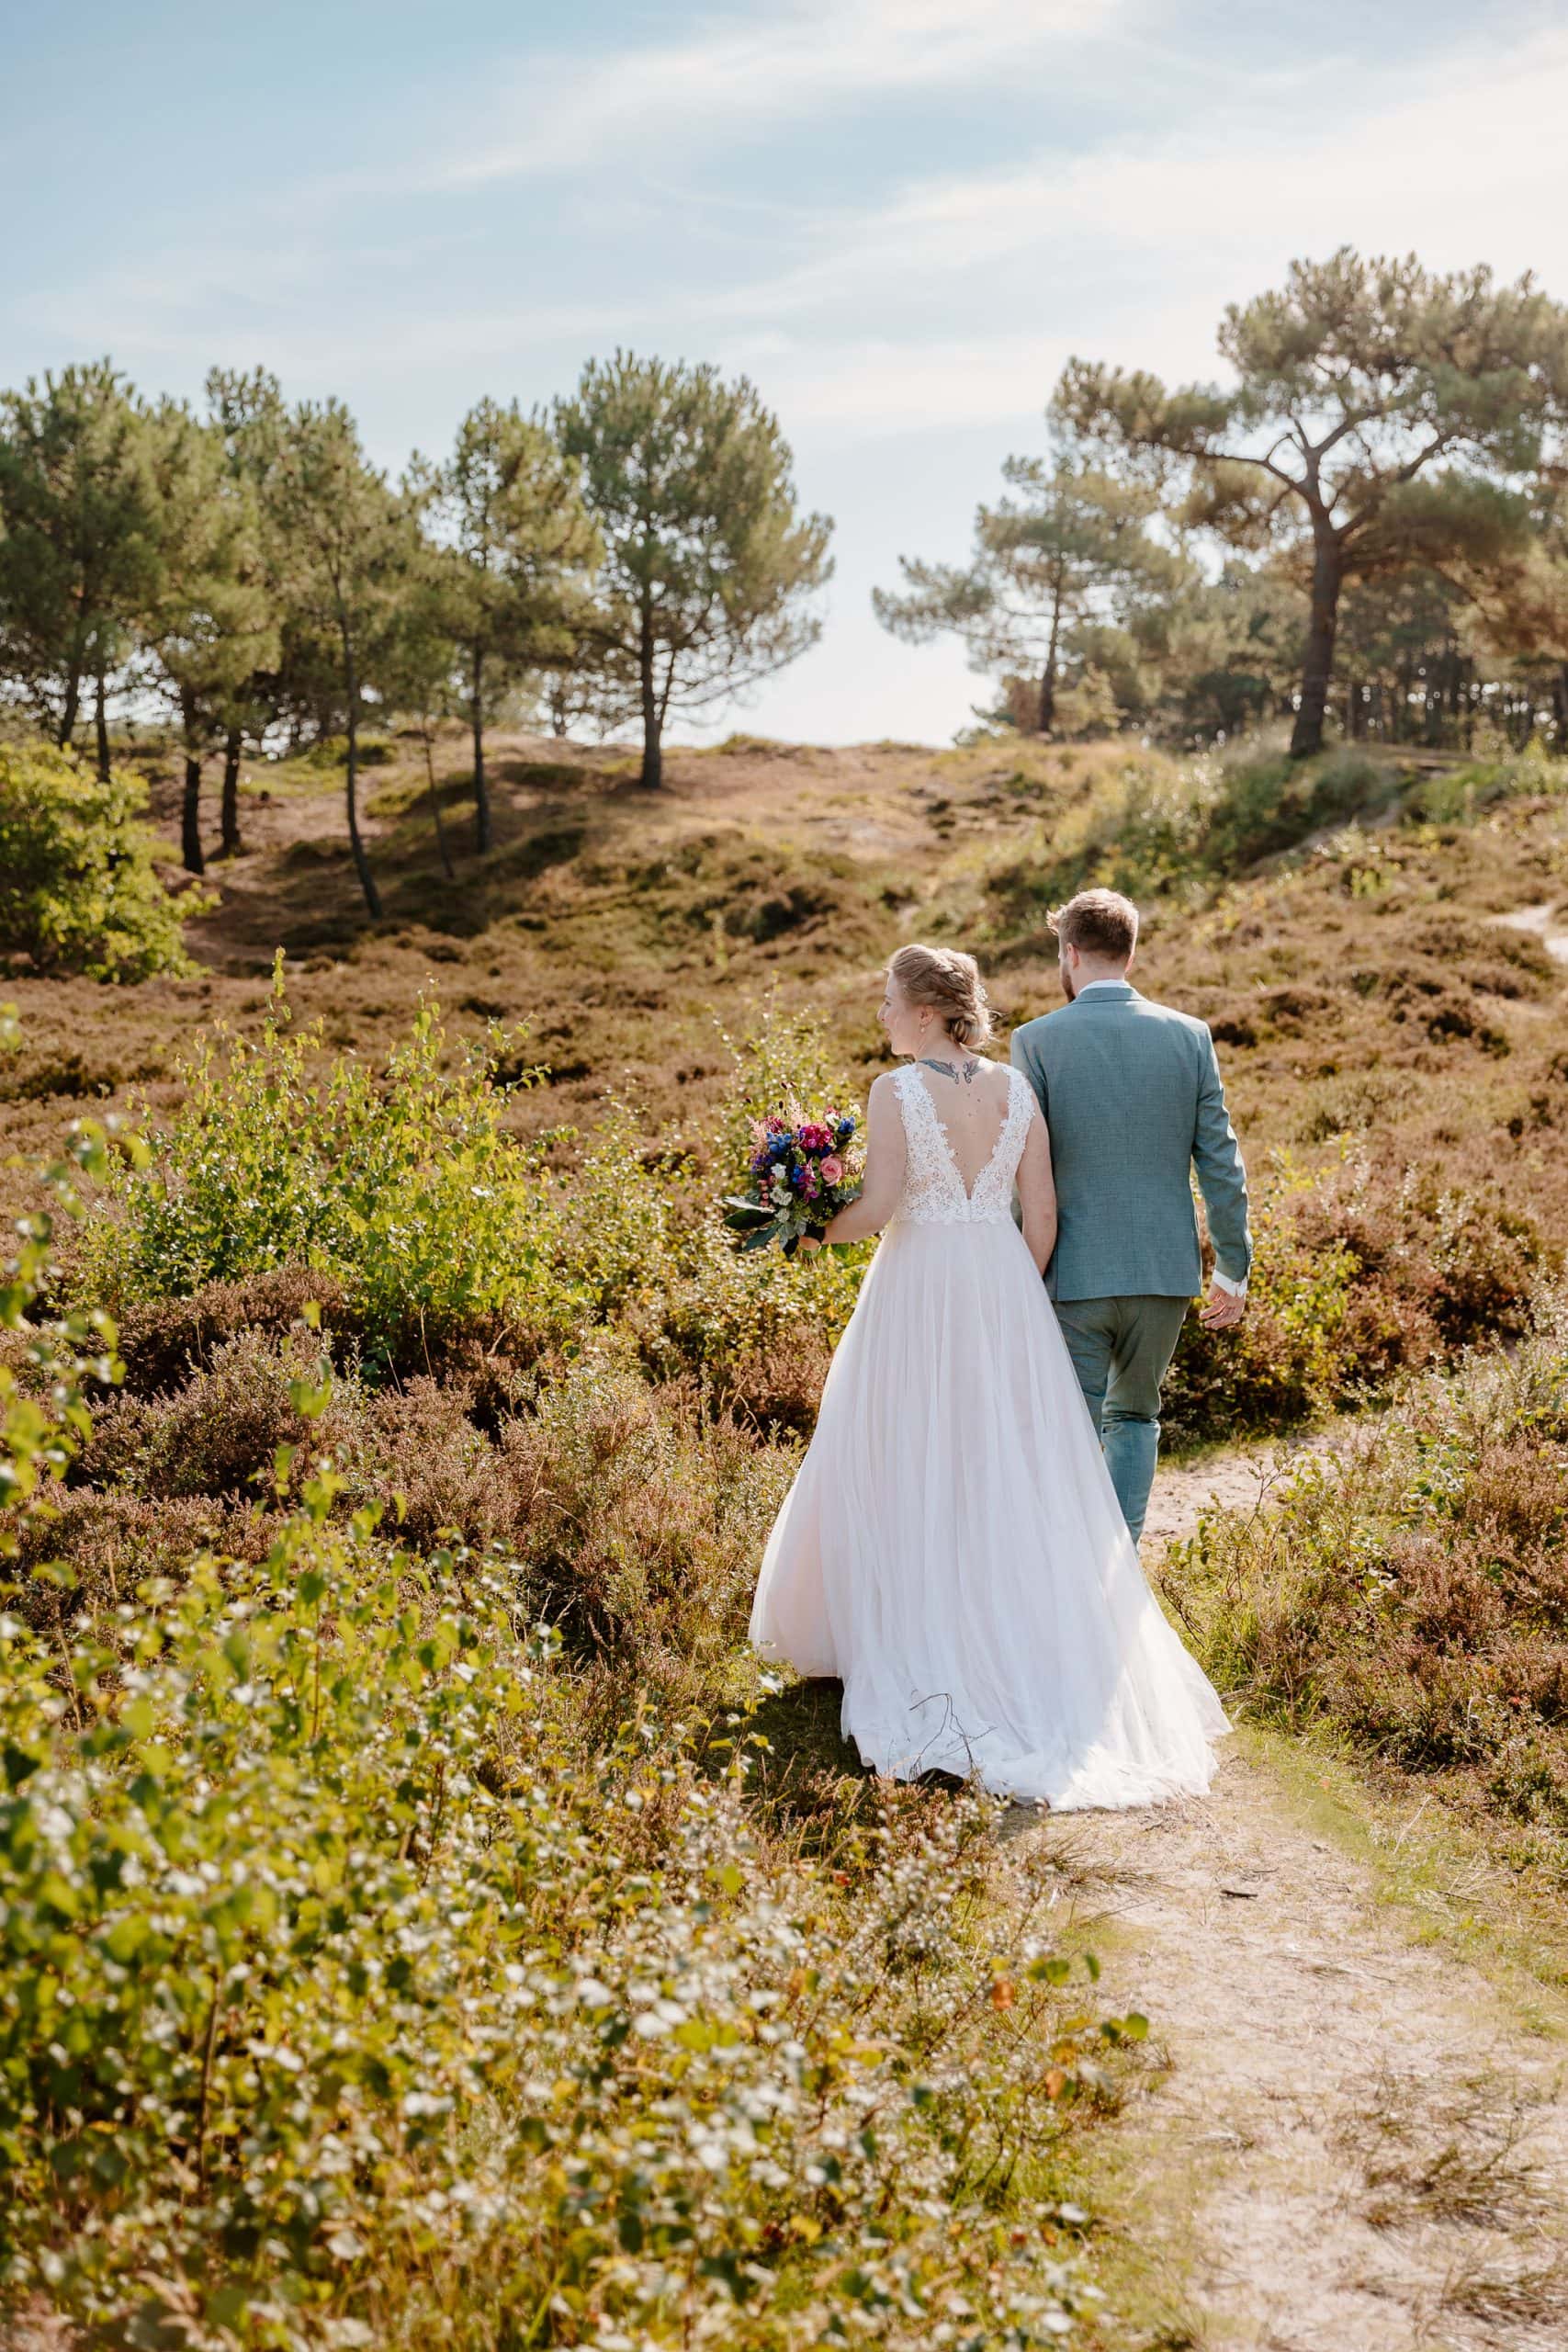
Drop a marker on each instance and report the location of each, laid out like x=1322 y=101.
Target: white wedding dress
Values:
x=952 y=1549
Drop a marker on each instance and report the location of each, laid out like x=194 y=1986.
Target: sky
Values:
x=898 y=217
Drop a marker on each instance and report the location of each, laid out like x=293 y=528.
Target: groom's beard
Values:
x=1068 y=989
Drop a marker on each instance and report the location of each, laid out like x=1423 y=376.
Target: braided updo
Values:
x=949 y=982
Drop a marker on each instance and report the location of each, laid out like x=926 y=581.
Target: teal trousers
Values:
x=1121 y=1350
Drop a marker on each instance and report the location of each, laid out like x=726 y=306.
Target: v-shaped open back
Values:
x=936 y=1190
x=969 y=1133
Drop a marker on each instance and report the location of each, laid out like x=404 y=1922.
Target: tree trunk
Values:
x=233 y=744
x=190 y=807
x=1317 y=668
x=481 y=783
x=350 y=784
x=435 y=799
x=1048 y=691
x=652 y=714
x=190 y=816
x=101 y=730
x=1048 y=676
x=72 y=705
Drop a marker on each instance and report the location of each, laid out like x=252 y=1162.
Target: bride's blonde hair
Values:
x=949 y=982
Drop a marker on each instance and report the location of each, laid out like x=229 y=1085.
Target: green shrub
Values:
x=1264 y=807
x=1156 y=827
x=1457 y=794
x=345 y=1999
x=50 y=1363
x=1286 y=1361
x=402 y=1188
x=78 y=890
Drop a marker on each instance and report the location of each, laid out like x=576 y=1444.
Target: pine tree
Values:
x=508 y=505
x=707 y=565
x=1068 y=550
x=1369 y=395
x=78 y=540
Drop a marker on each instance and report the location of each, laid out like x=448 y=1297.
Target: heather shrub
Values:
x=1445 y=1265
x=1412 y=1591
x=221 y=1434
x=1362 y=1272
x=90 y=1553
x=638 y=1518
x=164 y=1337
x=78 y=889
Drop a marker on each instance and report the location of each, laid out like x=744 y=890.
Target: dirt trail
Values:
x=1360 y=2144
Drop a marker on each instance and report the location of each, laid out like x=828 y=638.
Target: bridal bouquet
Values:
x=802 y=1172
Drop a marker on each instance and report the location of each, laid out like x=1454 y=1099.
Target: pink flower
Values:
x=832 y=1169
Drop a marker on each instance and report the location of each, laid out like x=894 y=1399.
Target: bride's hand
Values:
x=807 y=1243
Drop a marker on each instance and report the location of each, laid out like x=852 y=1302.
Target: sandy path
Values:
x=1356 y=2143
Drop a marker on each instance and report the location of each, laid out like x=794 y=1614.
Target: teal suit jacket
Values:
x=1132 y=1096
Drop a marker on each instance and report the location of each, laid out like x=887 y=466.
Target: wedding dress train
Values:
x=952 y=1548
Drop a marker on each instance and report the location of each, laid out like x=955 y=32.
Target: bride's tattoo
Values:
x=952 y=1070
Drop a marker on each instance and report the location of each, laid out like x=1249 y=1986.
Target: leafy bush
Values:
x=354 y=1991
x=345 y=2000
x=1286 y=1361
x=1456 y=794
x=1412 y=1592
x=405 y=1190
x=1362 y=1272
x=1266 y=806
x=78 y=891
x=1159 y=827
x=49 y=1364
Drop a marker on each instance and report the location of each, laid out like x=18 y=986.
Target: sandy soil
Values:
x=1355 y=2141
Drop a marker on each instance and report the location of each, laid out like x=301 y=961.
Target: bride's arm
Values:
x=884 y=1168
x=1037 y=1192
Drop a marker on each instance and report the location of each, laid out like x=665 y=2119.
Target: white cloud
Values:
x=1468 y=167
x=734 y=73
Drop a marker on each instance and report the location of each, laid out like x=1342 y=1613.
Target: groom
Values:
x=1131 y=1093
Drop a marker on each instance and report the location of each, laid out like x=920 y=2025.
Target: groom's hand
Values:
x=1224 y=1311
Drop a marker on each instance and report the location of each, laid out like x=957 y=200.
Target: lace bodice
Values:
x=933 y=1189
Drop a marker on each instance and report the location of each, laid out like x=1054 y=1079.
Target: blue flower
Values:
x=846 y=1129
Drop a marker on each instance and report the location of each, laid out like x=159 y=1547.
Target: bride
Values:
x=952 y=1548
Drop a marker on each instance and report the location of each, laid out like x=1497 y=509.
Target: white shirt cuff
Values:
x=1228 y=1284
